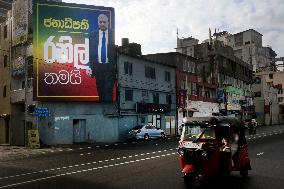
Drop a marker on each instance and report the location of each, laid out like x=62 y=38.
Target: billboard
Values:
x=74 y=56
x=20 y=21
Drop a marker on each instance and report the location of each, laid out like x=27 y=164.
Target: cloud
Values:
x=153 y=23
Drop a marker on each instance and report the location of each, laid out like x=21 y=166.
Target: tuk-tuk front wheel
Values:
x=189 y=178
x=244 y=173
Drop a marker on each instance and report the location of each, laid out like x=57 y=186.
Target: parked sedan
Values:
x=145 y=132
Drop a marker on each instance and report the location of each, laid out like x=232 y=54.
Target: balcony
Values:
x=18 y=96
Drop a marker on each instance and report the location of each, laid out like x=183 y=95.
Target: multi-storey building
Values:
x=247 y=46
x=268 y=97
x=146 y=93
x=146 y=96
x=232 y=75
x=196 y=96
x=5 y=78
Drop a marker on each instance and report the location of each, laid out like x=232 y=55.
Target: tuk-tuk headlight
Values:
x=181 y=151
x=204 y=153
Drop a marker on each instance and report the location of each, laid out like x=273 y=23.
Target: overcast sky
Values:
x=154 y=23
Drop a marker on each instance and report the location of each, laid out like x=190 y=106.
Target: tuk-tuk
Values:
x=213 y=146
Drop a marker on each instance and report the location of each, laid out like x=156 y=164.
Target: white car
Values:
x=145 y=132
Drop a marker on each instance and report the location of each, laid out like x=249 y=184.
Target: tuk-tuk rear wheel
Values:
x=244 y=173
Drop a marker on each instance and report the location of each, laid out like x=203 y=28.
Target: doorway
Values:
x=7 y=131
x=79 y=130
x=170 y=125
x=155 y=120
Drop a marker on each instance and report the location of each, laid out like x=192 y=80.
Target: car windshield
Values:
x=137 y=127
x=197 y=131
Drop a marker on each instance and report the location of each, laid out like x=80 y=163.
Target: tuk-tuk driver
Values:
x=225 y=147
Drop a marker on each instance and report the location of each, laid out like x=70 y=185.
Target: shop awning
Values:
x=193 y=110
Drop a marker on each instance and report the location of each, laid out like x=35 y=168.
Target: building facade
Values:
x=146 y=93
x=268 y=97
x=5 y=78
x=248 y=47
x=233 y=77
x=196 y=96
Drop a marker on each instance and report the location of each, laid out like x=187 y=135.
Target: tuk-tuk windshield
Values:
x=197 y=131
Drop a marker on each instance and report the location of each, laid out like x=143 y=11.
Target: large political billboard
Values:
x=74 y=55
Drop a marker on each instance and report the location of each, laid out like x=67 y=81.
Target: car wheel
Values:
x=146 y=137
x=244 y=173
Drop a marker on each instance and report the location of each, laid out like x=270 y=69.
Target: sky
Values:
x=154 y=23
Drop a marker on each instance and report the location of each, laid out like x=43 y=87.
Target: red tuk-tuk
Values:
x=213 y=146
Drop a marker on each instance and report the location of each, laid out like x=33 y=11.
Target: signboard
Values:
x=220 y=96
x=182 y=98
x=152 y=108
x=41 y=112
x=33 y=137
x=73 y=52
x=20 y=21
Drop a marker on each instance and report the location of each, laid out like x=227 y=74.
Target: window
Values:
x=145 y=94
x=4 y=91
x=156 y=98
x=5 y=32
x=169 y=99
x=280 y=91
x=167 y=76
x=270 y=76
x=280 y=99
x=128 y=95
x=257 y=94
x=150 y=72
x=128 y=68
x=182 y=84
x=207 y=94
x=5 y=60
x=23 y=84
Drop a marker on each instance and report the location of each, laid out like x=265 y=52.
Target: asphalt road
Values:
x=152 y=164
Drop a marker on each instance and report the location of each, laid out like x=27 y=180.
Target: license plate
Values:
x=192 y=145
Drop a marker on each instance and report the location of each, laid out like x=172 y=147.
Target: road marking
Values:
x=76 y=172
x=89 y=147
x=116 y=144
x=89 y=163
x=261 y=153
x=80 y=148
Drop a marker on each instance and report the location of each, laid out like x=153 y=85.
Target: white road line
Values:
x=106 y=145
x=75 y=172
x=261 y=153
x=116 y=144
x=97 y=146
x=71 y=166
x=89 y=147
x=89 y=153
x=81 y=154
